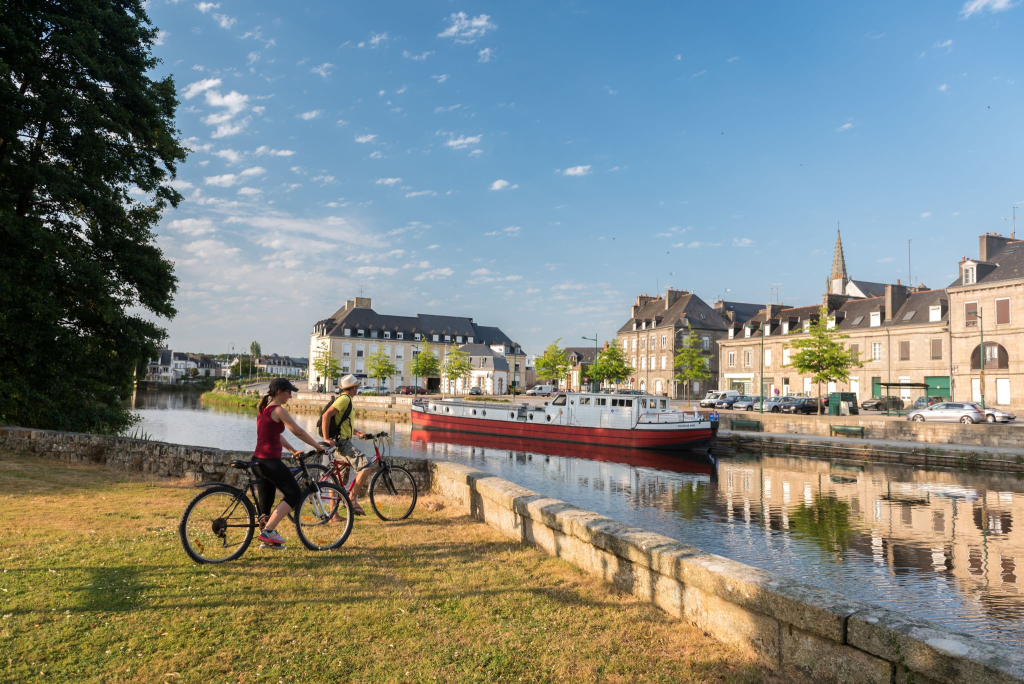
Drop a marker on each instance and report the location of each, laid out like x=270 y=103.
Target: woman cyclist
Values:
x=270 y=424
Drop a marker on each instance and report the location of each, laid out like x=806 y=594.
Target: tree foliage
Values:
x=326 y=366
x=457 y=365
x=425 y=364
x=552 y=364
x=822 y=355
x=690 y=362
x=88 y=146
x=611 y=365
x=379 y=366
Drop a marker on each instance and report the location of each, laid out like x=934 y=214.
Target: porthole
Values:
x=511 y=415
x=549 y=419
x=447 y=410
x=531 y=416
x=484 y=413
x=474 y=412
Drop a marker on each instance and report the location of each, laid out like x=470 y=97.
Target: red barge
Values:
x=611 y=420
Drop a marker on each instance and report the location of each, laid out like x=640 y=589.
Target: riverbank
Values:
x=376 y=408
x=441 y=596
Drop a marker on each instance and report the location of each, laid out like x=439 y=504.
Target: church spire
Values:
x=838 y=260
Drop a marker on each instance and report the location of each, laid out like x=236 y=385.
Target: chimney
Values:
x=991 y=244
x=362 y=303
x=350 y=304
x=895 y=297
x=724 y=312
x=641 y=302
x=671 y=297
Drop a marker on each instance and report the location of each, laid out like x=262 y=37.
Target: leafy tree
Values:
x=326 y=366
x=611 y=365
x=379 y=366
x=552 y=364
x=690 y=362
x=822 y=355
x=88 y=146
x=586 y=373
x=193 y=372
x=457 y=365
x=257 y=352
x=425 y=364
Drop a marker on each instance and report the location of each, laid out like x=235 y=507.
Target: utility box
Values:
x=834 y=400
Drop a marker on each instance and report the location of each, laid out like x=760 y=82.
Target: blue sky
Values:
x=536 y=166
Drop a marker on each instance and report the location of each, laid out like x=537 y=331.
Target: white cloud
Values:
x=433 y=246
x=926 y=214
x=254 y=57
x=699 y=73
x=375 y=270
x=577 y=171
x=259 y=110
x=323 y=178
x=434 y=274
x=974 y=6
x=416 y=58
x=485 y=55
x=324 y=69
x=742 y=242
x=401 y=90
x=332 y=228
x=502 y=184
x=421 y=193
x=211 y=250
x=465 y=29
x=306 y=116
x=943 y=87
x=441 y=78
x=944 y=43
x=230 y=128
x=695 y=244
x=225 y=21
x=263 y=149
x=885 y=260
x=249 y=192
x=223 y=181
x=160 y=36
x=376 y=154
x=480 y=272
x=679 y=58
x=845 y=127
x=205 y=7
x=476 y=153
x=369 y=137
x=732 y=59
x=462 y=142
x=511 y=231
x=193 y=89
x=377 y=39
x=231 y=156
x=450 y=108
x=388 y=181
x=193 y=226
x=254 y=171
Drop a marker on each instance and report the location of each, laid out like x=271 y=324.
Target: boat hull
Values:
x=687 y=438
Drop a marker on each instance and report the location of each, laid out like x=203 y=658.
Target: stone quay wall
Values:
x=806 y=633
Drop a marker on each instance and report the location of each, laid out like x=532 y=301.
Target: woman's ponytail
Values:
x=263 y=403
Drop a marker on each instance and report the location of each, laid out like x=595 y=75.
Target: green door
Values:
x=938 y=386
x=876 y=387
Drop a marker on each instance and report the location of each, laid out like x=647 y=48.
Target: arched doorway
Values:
x=643 y=385
x=657 y=387
x=996 y=357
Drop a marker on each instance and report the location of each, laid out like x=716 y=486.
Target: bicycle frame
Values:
x=340 y=468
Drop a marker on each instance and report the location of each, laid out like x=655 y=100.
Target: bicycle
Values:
x=218 y=524
x=393 y=490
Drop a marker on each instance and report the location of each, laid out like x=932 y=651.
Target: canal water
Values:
x=942 y=545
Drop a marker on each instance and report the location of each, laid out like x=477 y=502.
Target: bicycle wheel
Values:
x=323 y=519
x=393 y=493
x=319 y=473
x=217 y=526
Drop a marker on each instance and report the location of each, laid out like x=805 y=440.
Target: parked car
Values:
x=805 y=405
x=746 y=403
x=727 y=401
x=776 y=404
x=994 y=415
x=925 y=402
x=633 y=392
x=878 y=404
x=410 y=389
x=541 y=390
x=948 y=412
x=710 y=400
x=848 y=397
x=475 y=391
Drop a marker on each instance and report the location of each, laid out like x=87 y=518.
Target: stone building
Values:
x=578 y=357
x=355 y=331
x=656 y=329
x=987 y=300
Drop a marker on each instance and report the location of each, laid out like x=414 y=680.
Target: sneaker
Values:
x=272 y=537
x=273 y=547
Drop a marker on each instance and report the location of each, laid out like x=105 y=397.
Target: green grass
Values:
x=229 y=400
x=95 y=587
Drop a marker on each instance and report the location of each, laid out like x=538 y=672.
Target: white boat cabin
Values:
x=622 y=411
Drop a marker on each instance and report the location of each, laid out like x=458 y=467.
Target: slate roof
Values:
x=585 y=354
x=919 y=304
x=425 y=324
x=689 y=307
x=743 y=311
x=857 y=312
x=869 y=289
x=1009 y=265
x=492 y=359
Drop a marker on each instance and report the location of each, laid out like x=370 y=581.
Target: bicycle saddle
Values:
x=243 y=465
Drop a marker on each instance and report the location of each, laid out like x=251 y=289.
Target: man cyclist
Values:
x=340 y=413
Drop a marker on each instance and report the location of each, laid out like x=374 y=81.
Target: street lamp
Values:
x=415 y=370
x=981 y=332
x=593 y=374
x=765 y=322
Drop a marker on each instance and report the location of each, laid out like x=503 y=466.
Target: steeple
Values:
x=838 y=260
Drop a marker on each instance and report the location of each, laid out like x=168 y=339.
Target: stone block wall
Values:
x=804 y=632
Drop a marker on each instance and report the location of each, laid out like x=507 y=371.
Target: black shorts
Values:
x=276 y=475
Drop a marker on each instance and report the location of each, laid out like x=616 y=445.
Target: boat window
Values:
x=601 y=401
x=627 y=402
x=584 y=401
x=664 y=403
x=615 y=402
x=559 y=400
x=643 y=403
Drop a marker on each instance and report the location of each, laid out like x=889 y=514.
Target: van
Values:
x=541 y=390
x=714 y=396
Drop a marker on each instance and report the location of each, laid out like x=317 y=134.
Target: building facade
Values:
x=355 y=332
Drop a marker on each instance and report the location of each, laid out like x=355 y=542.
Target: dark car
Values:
x=727 y=402
x=410 y=389
x=848 y=397
x=475 y=391
x=806 y=405
x=878 y=403
x=925 y=402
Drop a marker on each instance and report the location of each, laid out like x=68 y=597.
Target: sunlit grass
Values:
x=95 y=587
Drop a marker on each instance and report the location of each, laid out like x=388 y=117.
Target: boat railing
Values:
x=669 y=417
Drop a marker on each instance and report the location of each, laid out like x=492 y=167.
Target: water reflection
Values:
x=939 y=544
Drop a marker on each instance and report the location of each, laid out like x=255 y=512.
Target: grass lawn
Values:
x=95 y=587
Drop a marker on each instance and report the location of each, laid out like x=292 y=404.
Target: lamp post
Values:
x=761 y=402
x=415 y=370
x=981 y=355
x=593 y=375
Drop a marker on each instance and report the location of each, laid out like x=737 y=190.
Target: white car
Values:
x=994 y=415
x=541 y=390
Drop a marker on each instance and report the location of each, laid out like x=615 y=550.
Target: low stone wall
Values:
x=804 y=632
x=876 y=427
x=143 y=456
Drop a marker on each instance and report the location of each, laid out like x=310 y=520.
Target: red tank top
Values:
x=268 y=434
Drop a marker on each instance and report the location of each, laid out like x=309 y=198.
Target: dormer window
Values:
x=348 y=332
x=746 y=331
x=469 y=340
x=436 y=338
x=785 y=327
x=387 y=334
x=934 y=314
x=634 y=325
x=458 y=338
x=807 y=326
x=360 y=333
x=373 y=333
x=416 y=337
x=447 y=338
x=970 y=275
x=732 y=333
x=831 y=324
x=876 y=319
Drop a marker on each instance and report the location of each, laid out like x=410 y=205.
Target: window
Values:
x=348 y=332
x=705 y=342
x=876 y=319
x=401 y=336
x=643 y=343
x=807 y=326
x=346 y=350
x=876 y=351
x=447 y=338
x=746 y=332
x=936 y=349
x=360 y=333
x=653 y=341
x=663 y=362
x=1002 y=311
x=785 y=327
x=785 y=357
x=746 y=358
x=436 y=338
x=732 y=333
x=970 y=275
x=387 y=334
x=344 y=369
x=458 y=339
x=934 y=314
x=664 y=341
x=584 y=401
x=855 y=351
x=767 y=357
x=970 y=314
x=732 y=358
x=469 y=339
x=416 y=337
x=359 y=352
x=399 y=352
x=831 y=322
x=634 y=344
x=600 y=401
x=904 y=350
x=373 y=333
x=643 y=362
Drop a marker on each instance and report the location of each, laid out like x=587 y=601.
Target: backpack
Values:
x=335 y=427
